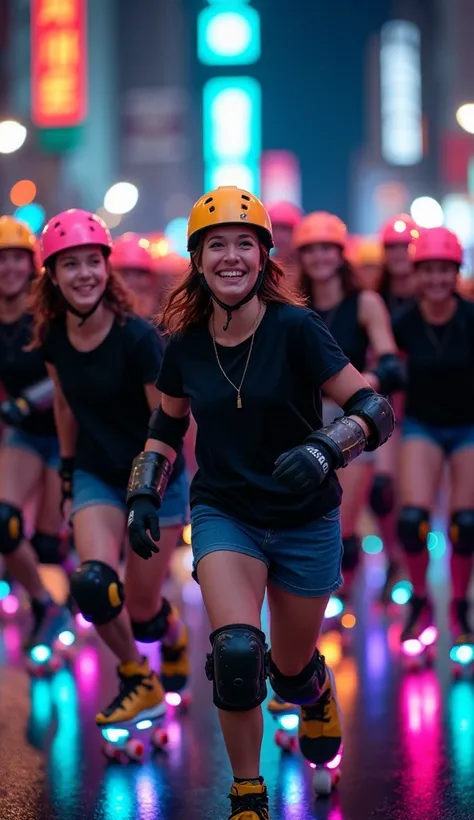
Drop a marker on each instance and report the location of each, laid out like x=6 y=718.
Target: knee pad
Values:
x=97 y=591
x=351 y=554
x=11 y=528
x=154 y=629
x=303 y=688
x=237 y=667
x=461 y=532
x=413 y=527
x=382 y=495
x=49 y=548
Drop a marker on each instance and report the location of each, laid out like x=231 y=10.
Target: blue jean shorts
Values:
x=305 y=561
x=448 y=439
x=45 y=447
x=90 y=491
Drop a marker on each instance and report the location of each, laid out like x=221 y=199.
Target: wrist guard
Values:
x=149 y=476
x=344 y=438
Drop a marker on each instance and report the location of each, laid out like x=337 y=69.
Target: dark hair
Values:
x=346 y=272
x=190 y=303
x=46 y=302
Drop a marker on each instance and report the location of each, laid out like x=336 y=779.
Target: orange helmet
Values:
x=368 y=251
x=15 y=234
x=131 y=251
x=228 y=205
x=399 y=230
x=320 y=226
x=284 y=213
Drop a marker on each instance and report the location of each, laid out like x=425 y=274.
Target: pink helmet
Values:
x=131 y=251
x=399 y=230
x=71 y=229
x=285 y=213
x=437 y=244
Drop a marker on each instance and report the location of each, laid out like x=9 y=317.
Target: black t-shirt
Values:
x=440 y=363
x=343 y=322
x=20 y=369
x=105 y=391
x=293 y=355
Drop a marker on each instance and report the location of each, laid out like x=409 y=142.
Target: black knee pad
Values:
x=461 y=532
x=413 y=527
x=11 y=528
x=237 y=667
x=154 y=629
x=49 y=548
x=303 y=688
x=351 y=554
x=97 y=591
x=382 y=495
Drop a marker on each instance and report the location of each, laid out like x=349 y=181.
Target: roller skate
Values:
x=320 y=737
x=175 y=667
x=249 y=801
x=462 y=651
x=139 y=705
x=50 y=643
x=418 y=639
x=287 y=718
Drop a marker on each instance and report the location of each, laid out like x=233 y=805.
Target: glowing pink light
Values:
x=10 y=604
x=412 y=647
x=335 y=762
x=82 y=623
x=429 y=636
x=173 y=699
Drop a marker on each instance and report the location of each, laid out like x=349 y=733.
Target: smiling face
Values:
x=16 y=266
x=321 y=260
x=436 y=280
x=230 y=262
x=398 y=260
x=82 y=275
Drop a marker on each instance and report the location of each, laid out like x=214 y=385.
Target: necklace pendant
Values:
x=239 y=402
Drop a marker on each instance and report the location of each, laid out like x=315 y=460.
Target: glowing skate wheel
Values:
x=111 y=751
x=284 y=741
x=159 y=738
x=322 y=782
x=134 y=749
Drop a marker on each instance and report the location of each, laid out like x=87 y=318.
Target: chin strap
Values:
x=83 y=316
x=229 y=309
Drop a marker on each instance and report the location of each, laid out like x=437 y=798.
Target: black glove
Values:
x=66 y=470
x=305 y=467
x=143 y=518
x=13 y=412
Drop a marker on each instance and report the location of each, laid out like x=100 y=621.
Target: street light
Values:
x=465 y=117
x=12 y=136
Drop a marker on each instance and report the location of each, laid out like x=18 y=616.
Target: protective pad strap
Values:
x=168 y=429
x=376 y=411
x=11 y=528
x=237 y=667
x=149 y=476
x=303 y=688
x=156 y=628
x=461 y=532
x=345 y=438
x=413 y=527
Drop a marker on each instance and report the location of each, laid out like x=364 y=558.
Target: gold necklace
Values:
x=239 y=388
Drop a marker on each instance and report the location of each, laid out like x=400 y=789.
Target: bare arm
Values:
x=66 y=423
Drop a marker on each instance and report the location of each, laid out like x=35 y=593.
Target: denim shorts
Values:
x=45 y=447
x=305 y=561
x=332 y=411
x=448 y=439
x=90 y=491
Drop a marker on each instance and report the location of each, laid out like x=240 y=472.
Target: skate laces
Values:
x=256 y=803
x=129 y=690
x=319 y=709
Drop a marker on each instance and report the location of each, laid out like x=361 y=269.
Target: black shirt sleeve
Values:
x=319 y=351
x=47 y=348
x=170 y=379
x=148 y=356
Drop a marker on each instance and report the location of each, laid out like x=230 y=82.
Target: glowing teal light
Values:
x=372 y=544
x=40 y=653
x=288 y=722
x=229 y=34
x=33 y=215
x=436 y=543
x=115 y=735
x=463 y=654
x=4 y=589
x=402 y=592
x=334 y=607
x=175 y=233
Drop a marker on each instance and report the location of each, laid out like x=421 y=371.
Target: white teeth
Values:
x=231 y=274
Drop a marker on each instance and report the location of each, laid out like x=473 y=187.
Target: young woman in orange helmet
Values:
x=284 y=217
x=397 y=288
x=29 y=450
x=132 y=259
x=250 y=363
x=103 y=360
x=437 y=336
x=356 y=320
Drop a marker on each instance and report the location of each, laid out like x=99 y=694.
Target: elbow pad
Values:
x=168 y=429
x=376 y=411
x=149 y=476
x=40 y=395
x=391 y=373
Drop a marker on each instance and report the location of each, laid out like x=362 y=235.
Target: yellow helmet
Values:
x=228 y=205
x=14 y=234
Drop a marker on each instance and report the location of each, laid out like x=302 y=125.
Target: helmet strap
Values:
x=79 y=313
x=229 y=309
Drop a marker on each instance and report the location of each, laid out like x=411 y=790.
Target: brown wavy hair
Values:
x=45 y=302
x=190 y=303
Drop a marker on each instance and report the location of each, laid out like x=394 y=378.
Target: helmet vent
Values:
x=247 y=198
x=208 y=200
x=212 y=209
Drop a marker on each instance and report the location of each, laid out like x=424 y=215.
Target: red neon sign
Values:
x=58 y=63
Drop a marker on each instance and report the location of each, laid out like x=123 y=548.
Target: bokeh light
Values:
x=33 y=215
x=175 y=233
x=372 y=544
x=12 y=136
x=121 y=198
x=427 y=212
x=23 y=192
x=465 y=117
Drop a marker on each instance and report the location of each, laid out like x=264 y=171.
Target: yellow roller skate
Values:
x=320 y=729
x=249 y=801
x=175 y=666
